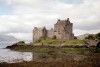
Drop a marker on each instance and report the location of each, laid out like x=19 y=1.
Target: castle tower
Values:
x=63 y=29
x=38 y=33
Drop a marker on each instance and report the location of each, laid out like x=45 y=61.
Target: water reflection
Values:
x=6 y=55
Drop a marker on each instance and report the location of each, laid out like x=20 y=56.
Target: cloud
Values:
x=27 y=14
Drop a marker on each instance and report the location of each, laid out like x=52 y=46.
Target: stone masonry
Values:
x=63 y=30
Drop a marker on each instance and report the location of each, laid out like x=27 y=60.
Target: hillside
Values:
x=81 y=37
x=7 y=38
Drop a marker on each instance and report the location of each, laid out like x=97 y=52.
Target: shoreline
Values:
x=56 y=56
x=30 y=47
x=93 y=61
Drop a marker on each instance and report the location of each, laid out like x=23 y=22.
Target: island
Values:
x=59 y=47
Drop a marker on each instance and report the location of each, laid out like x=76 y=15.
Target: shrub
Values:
x=91 y=37
x=21 y=43
x=97 y=36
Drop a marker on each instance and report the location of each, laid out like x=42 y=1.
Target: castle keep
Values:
x=63 y=30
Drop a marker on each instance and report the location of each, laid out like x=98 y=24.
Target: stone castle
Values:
x=63 y=30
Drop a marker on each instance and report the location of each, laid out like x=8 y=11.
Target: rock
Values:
x=98 y=45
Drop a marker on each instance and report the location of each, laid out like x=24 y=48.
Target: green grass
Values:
x=74 y=49
x=80 y=51
x=31 y=49
x=75 y=42
x=51 y=41
x=55 y=41
x=41 y=49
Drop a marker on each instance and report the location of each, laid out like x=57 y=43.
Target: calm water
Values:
x=6 y=55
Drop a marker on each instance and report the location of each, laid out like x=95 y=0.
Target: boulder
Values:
x=98 y=45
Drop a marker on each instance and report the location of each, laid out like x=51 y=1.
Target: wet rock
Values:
x=98 y=45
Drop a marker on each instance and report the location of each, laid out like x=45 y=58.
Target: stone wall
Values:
x=50 y=33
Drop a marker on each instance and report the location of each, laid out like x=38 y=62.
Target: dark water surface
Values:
x=6 y=55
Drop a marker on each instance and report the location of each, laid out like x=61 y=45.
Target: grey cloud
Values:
x=87 y=26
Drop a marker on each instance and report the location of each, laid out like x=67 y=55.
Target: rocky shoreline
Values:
x=91 y=61
x=56 y=56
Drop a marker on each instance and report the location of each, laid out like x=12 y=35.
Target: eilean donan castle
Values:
x=63 y=30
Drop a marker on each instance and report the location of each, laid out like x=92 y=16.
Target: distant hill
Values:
x=81 y=37
x=7 y=38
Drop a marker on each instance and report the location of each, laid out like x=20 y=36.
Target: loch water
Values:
x=9 y=56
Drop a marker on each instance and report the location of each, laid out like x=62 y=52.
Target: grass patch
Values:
x=51 y=41
x=41 y=49
x=55 y=41
x=74 y=49
x=81 y=51
x=75 y=42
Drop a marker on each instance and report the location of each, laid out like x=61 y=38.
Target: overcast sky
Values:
x=19 y=17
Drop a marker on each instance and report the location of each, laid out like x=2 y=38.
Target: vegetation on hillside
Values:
x=93 y=36
x=55 y=41
x=90 y=36
x=20 y=43
x=97 y=36
x=82 y=37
